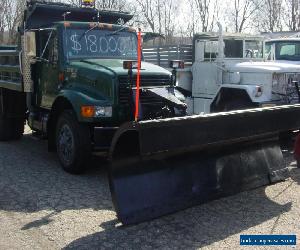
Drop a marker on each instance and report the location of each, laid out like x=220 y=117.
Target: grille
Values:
x=126 y=97
x=146 y=81
x=124 y=94
x=284 y=89
x=150 y=98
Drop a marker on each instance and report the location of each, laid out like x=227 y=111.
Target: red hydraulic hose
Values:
x=138 y=77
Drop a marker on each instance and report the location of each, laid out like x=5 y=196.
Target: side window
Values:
x=233 y=48
x=210 y=50
x=48 y=46
x=253 y=49
x=268 y=48
x=288 y=50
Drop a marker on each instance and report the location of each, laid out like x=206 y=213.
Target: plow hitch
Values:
x=163 y=166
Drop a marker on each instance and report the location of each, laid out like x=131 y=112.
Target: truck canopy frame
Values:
x=36 y=11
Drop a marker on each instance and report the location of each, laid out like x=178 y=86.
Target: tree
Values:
x=292 y=14
x=242 y=12
x=169 y=16
x=148 y=9
x=192 y=20
x=208 y=11
x=12 y=17
x=159 y=16
x=2 y=22
x=270 y=15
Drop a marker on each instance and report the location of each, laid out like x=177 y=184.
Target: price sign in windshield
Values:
x=100 y=43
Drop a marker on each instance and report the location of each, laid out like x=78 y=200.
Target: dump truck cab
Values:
x=83 y=63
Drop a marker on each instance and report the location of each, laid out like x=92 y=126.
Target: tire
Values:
x=5 y=129
x=10 y=128
x=17 y=128
x=73 y=143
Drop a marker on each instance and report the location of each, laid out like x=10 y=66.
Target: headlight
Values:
x=96 y=111
x=103 y=111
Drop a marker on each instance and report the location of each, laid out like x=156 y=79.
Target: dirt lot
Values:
x=41 y=207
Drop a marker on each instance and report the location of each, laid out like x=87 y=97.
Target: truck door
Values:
x=48 y=69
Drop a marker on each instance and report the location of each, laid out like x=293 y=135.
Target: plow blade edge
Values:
x=162 y=166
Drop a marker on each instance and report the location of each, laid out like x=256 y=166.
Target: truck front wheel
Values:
x=73 y=143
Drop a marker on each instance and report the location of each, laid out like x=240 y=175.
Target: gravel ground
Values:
x=42 y=207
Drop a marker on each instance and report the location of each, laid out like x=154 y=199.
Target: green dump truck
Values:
x=72 y=79
x=71 y=85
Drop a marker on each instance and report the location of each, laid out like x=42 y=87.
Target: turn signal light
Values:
x=61 y=77
x=87 y=111
x=130 y=65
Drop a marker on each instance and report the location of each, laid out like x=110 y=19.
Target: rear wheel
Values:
x=73 y=143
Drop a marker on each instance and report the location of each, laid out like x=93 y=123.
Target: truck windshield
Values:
x=234 y=48
x=80 y=44
x=289 y=50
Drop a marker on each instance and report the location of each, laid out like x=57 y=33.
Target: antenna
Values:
x=66 y=14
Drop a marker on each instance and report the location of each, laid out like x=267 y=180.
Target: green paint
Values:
x=87 y=82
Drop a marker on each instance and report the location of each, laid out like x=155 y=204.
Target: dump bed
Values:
x=10 y=74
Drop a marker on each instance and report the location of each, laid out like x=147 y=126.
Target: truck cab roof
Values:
x=226 y=36
x=290 y=39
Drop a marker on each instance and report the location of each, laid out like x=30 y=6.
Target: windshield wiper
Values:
x=116 y=32
x=87 y=31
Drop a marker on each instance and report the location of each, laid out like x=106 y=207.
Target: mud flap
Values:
x=144 y=189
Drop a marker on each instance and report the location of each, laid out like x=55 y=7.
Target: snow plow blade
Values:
x=162 y=166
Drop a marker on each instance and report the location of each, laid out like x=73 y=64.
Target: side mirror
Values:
x=175 y=64
x=30 y=44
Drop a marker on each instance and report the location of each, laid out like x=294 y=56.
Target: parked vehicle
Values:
x=229 y=72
